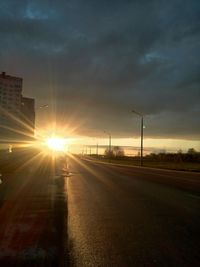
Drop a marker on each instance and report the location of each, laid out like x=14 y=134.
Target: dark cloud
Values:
x=94 y=61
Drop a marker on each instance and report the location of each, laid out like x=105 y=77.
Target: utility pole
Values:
x=110 y=138
x=142 y=136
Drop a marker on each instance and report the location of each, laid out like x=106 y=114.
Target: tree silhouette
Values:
x=116 y=152
x=191 y=151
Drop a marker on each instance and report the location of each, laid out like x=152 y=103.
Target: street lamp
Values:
x=43 y=106
x=109 y=136
x=142 y=136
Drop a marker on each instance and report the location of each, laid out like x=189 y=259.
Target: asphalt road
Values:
x=101 y=215
x=120 y=216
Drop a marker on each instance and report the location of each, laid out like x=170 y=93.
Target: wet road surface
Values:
x=132 y=217
x=100 y=215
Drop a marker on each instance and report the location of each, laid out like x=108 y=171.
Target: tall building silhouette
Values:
x=17 y=113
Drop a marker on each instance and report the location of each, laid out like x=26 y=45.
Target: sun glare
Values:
x=56 y=143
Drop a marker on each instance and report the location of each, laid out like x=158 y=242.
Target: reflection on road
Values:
x=131 y=216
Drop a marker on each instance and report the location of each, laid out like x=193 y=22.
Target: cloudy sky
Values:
x=95 y=61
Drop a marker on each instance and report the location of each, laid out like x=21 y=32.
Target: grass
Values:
x=180 y=166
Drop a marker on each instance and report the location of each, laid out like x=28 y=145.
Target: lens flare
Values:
x=56 y=143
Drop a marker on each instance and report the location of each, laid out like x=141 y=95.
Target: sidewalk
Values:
x=32 y=217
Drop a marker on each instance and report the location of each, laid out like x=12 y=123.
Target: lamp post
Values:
x=110 y=138
x=142 y=136
x=43 y=106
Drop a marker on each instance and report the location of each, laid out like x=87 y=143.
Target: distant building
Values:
x=17 y=113
x=28 y=112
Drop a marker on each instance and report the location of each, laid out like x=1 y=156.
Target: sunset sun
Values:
x=57 y=143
